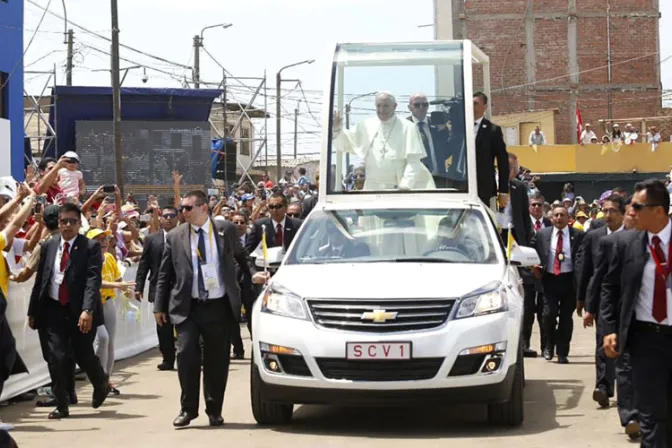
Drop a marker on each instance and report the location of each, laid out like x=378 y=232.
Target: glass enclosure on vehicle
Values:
x=399 y=120
x=456 y=235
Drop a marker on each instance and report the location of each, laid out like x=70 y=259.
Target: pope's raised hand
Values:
x=338 y=121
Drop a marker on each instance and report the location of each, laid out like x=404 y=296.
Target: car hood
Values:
x=386 y=280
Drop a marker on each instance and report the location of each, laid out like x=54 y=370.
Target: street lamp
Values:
x=65 y=23
x=198 y=43
x=278 y=113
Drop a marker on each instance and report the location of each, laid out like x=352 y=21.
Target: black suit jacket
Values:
x=520 y=206
x=587 y=259
x=607 y=243
x=542 y=243
x=150 y=263
x=622 y=282
x=526 y=274
x=173 y=289
x=83 y=276
x=254 y=238
x=440 y=143
x=490 y=146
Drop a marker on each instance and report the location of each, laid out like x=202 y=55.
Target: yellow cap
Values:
x=581 y=215
x=95 y=233
x=599 y=215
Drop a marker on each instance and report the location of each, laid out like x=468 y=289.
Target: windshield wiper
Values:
x=422 y=260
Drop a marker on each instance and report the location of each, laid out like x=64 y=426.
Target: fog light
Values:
x=484 y=349
x=273 y=366
x=492 y=364
x=271 y=363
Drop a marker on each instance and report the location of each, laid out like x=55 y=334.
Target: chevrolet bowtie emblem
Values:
x=379 y=316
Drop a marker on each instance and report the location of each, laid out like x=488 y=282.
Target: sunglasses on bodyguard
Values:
x=275 y=206
x=639 y=207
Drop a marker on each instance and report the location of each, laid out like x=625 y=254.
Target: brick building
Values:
x=548 y=54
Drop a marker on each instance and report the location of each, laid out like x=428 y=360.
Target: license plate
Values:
x=378 y=350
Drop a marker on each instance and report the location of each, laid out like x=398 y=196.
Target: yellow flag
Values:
x=510 y=244
x=536 y=148
x=264 y=247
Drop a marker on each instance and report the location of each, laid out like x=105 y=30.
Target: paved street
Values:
x=559 y=412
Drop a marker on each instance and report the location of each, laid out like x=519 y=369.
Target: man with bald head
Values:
x=434 y=138
x=391 y=148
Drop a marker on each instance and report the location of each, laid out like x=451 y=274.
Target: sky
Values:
x=266 y=35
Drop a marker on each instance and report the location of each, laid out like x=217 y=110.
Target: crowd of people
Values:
x=75 y=245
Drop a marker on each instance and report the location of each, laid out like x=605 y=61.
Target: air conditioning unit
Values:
x=5 y=148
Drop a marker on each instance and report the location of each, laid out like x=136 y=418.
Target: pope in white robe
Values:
x=390 y=147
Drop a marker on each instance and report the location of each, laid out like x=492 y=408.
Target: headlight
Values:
x=492 y=301
x=283 y=302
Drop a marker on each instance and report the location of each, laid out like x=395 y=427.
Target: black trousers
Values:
x=534 y=307
x=651 y=356
x=237 y=340
x=559 y=306
x=65 y=340
x=609 y=371
x=46 y=355
x=166 y=335
x=212 y=320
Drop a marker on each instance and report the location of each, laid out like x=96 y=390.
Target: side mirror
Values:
x=275 y=256
x=524 y=257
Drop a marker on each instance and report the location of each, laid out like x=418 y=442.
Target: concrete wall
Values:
x=11 y=62
x=554 y=52
x=596 y=158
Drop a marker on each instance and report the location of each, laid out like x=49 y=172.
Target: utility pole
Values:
x=278 y=125
x=68 y=70
x=116 y=99
x=197 y=62
x=296 y=128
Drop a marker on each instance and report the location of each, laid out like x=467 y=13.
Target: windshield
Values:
x=398 y=119
x=457 y=235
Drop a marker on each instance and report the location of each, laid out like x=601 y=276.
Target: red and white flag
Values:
x=579 y=124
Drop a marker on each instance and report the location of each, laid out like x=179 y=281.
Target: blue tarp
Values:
x=72 y=104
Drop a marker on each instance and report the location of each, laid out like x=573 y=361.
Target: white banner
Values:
x=133 y=337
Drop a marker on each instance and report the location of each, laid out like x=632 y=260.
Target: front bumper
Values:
x=444 y=343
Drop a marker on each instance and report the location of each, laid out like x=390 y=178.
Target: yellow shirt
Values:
x=4 y=269
x=111 y=273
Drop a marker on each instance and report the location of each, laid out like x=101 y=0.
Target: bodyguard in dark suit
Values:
x=490 y=147
x=557 y=247
x=434 y=138
x=150 y=263
x=280 y=228
x=519 y=206
x=65 y=302
x=634 y=309
x=198 y=291
x=534 y=292
x=609 y=370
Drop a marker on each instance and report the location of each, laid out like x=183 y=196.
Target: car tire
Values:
x=511 y=412
x=266 y=413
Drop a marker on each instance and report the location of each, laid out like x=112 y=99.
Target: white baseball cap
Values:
x=71 y=155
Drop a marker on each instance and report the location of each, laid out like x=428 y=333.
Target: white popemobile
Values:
x=397 y=292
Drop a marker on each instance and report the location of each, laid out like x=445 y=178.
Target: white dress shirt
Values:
x=609 y=232
x=428 y=134
x=644 y=305
x=57 y=268
x=211 y=257
x=566 y=264
x=534 y=222
x=477 y=125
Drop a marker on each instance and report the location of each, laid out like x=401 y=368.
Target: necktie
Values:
x=659 y=295
x=279 y=234
x=537 y=226
x=557 y=265
x=63 y=293
x=202 y=259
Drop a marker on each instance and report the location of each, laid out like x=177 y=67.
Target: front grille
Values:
x=351 y=315
x=294 y=365
x=365 y=370
x=467 y=365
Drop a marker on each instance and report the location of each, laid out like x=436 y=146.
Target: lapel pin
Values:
x=484 y=126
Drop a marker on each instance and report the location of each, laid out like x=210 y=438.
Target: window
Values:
x=245 y=142
x=458 y=235
x=4 y=95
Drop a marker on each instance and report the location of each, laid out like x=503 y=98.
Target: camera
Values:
x=109 y=189
x=145 y=78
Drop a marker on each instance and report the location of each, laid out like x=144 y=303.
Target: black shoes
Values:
x=548 y=354
x=183 y=419
x=216 y=420
x=562 y=360
x=633 y=430
x=529 y=353
x=601 y=398
x=239 y=356
x=59 y=413
x=100 y=395
x=164 y=366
